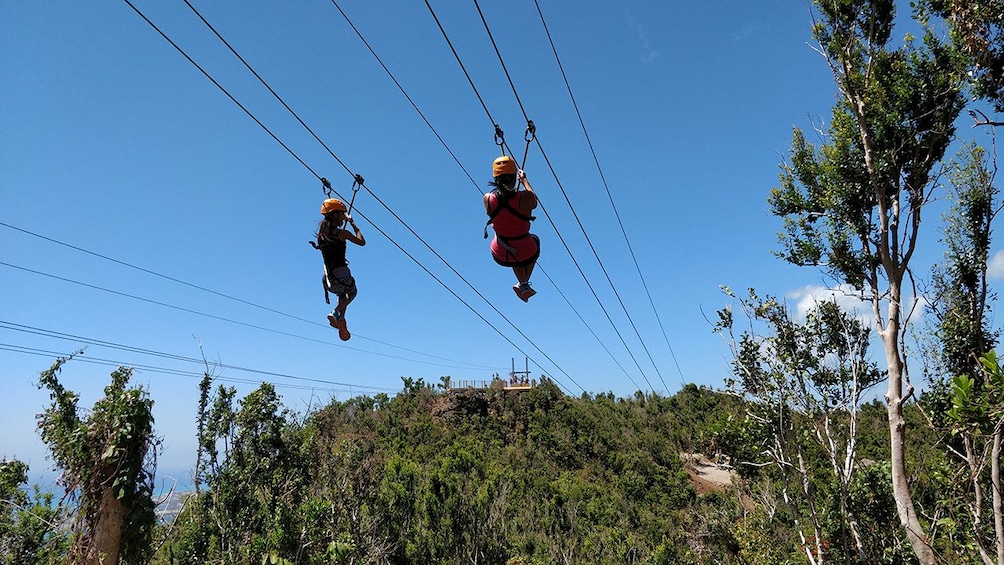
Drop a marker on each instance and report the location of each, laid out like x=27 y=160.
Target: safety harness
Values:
x=357 y=182
x=503 y=199
x=503 y=202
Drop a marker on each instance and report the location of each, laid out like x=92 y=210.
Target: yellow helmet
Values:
x=332 y=205
x=504 y=165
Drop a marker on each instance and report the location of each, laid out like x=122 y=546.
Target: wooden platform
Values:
x=501 y=384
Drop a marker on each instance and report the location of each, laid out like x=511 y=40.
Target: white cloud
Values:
x=808 y=297
x=648 y=53
x=854 y=303
x=995 y=269
x=744 y=32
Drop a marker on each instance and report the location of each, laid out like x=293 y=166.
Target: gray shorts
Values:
x=339 y=282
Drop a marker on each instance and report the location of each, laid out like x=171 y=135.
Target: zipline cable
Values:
x=462 y=67
x=14 y=348
x=223 y=295
x=606 y=186
x=388 y=209
x=499 y=137
x=403 y=91
x=12 y=326
x=602 y=268
x=499 y=55
x=207 y=315
x=363 y=216
x=476 y=291
x=543 y=208
x=277 y=97
x=596 y=296
x=224 y=90
x=570 y=206
x=154 y=369
x=471 y=178
x=583 y=320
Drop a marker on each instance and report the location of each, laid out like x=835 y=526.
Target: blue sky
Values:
x=117 y=145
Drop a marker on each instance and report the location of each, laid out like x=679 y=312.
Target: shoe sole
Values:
x=523 y=295
x=332 y=320
x=343 y=330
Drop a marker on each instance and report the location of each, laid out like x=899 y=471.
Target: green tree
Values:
x=977 y=30
x=977 y=414
x=258 y=483
x=491 y=477
x=965 y=397
x=107 y=460
x=961 y=301
x=252 y=463
x=805 y=382
x=854 y=204
x=29 y=523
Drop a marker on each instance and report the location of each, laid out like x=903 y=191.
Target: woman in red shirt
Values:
x=509 y=211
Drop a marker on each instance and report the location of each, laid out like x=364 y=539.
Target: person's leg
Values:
x=343 y=303
x=529 y=252
x=337 y=317
x=522 y=273
x=522 y=289
x=342 y=284
x=520 y=254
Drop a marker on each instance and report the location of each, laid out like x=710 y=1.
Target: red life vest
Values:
x=505 y=216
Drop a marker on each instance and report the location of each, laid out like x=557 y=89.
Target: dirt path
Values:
x=705 y=475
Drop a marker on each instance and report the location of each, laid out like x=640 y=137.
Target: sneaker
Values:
x=523 y=291
x=343 y=330
x=333 y=318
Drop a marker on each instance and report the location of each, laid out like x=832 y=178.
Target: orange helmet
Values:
x=504 y=165
x=332 y=205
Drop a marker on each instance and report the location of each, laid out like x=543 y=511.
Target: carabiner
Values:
x=531 y=131
x=499 y=136
x=357 y=181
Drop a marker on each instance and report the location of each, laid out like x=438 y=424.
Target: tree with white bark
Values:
x=854 y=204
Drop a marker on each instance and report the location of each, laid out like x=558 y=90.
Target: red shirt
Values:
x=509 y=221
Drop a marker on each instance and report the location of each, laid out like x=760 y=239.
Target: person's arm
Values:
x=521 y=178
x=356 y=237
x=529 y=199
x=488 y=203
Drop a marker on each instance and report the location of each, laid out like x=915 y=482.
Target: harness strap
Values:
x=324 y=278
x=505 y=245
x=506 y=239
x=503 y=202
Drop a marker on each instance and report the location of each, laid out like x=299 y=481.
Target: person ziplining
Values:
x=331 y=238
x=509 y=213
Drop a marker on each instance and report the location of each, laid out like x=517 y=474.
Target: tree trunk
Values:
x=995 y=478
x=897 y=439
x=977 y=505
x=108 y=531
